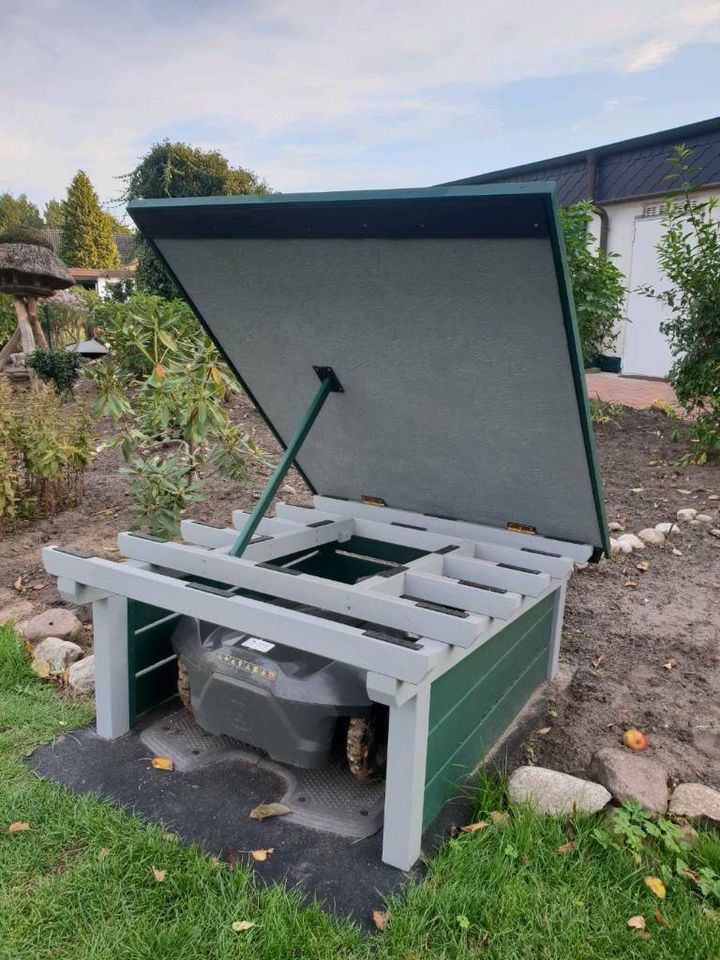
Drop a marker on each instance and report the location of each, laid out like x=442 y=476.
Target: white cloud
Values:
x=650 y=55
x=294 y=89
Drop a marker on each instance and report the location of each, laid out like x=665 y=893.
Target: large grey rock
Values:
x=549 y=791
x=54 y=655
x=630 y=777
x=695 y=800
x=651 y=535
x=56 y=622
x=81 y=676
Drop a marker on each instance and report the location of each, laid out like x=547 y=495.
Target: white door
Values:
x=646 y=352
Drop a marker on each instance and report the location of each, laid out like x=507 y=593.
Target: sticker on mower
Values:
x=244 y=666
x=255 y=643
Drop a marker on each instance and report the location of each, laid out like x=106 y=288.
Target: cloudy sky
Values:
x=333 y=94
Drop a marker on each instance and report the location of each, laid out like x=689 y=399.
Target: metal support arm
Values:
x=329 y=384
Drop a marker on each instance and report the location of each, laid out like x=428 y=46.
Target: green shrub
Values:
x=689 y=255
x=45 y=448
x=598 y=286
x=61 y=368
x=165 y=384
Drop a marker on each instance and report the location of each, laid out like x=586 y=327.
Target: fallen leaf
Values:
x=565 y=847
x=676 y=552
x=103 y=852
x=260 y=856
x=159 y=874
x=474 y=827
x=644 y=935
x=499 y=816
x=18 y=826
x=656 y=885
x=642 y=566
x=162 y=763
x=636 y=923
x=19 y=585
x=39 y=586
x=636 y=489
x=240 y=925
x=685 y=493
x=543 y=730
x=670 y=665
x=265 y=810
x=169 y=836
x=630 y=583
x=637 y=859
x=659 y=918
x=599 y=660
x=380 y=918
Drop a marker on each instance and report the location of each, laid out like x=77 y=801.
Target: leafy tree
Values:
x=116 y=226
x=87 y=237
x=689 y=256
x=55 y=214
x=18 y=212
x=180 y=170
x=598 y=286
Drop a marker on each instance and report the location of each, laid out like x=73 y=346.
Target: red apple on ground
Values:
x=635 y=740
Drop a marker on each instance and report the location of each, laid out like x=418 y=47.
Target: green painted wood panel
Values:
x=476 y=700
x=149 y=632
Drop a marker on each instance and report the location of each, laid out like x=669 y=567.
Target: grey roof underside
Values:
x=630 y=168
x=446 y=316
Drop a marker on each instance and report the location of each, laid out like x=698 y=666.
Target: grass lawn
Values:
x=79 y=883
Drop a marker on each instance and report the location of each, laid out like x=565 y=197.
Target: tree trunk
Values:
x=38 y=332
x=26 y=332
x=10 y=347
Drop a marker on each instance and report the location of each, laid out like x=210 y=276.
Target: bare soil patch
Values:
x=617 y=639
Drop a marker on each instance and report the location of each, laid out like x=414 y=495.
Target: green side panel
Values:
x=149 y=632
x=476 y=700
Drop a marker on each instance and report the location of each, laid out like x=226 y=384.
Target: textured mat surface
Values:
x=328 y=799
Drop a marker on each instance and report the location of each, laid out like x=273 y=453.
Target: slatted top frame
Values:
x=402 y=623
x=447 y=317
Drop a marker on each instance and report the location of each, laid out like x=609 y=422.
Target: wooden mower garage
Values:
x=416 y=354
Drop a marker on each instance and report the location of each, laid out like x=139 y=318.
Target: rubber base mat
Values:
x=209 y=804
x=327 y=799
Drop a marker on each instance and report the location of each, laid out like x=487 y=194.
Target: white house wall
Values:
x=622 y=219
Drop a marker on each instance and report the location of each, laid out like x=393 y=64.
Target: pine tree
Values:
x=86 y=239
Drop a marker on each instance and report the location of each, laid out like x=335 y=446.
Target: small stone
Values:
x=615 y=527
x=688 y=834
x=56 y=622
x=54 y=655
x=635 y=543
x=713 y=533
x=17 y=612
x=615 y=547
x=624 y=546
x=676 y=552
x=651 y=535
x=630 y=777
x=687 y=513
x=667 y=528
x=695 y=800
x=704 y=518
x=81 y=676
x=694 y=523
x=551 y=792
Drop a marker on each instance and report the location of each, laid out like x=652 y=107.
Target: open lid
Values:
x=445 y=313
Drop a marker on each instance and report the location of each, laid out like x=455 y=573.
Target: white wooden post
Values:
x=405 y=780
x=112 y=685
x=556 y=629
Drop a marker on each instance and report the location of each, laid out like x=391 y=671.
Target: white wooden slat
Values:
x=281 y=544
x=302 y=631
x=437 y=589
x=401 y=535
x=387 y=610
x=578 y=552
x=483 y=571
x=558 y=567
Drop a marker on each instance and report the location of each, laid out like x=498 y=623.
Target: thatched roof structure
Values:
x=28 y=266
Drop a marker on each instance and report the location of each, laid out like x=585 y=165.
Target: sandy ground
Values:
x=622 y=625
